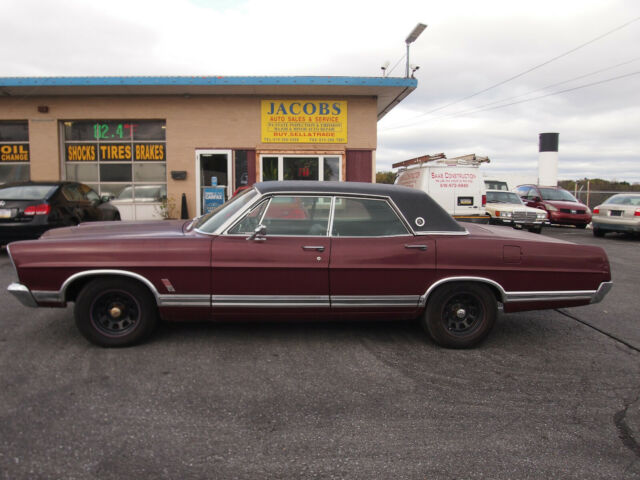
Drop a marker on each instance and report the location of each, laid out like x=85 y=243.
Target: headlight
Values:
x=550 y=207
x=505 y=214
x=541 y=216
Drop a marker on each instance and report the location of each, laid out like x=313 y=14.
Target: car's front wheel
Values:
x=115 y=312
x=459 y=315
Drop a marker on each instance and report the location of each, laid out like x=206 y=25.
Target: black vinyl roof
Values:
x=413 y=203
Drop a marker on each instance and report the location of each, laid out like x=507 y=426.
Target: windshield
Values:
x=557 y=194
x=624 y=200
x=25 y=192
x=210 y=222
x=503 y=197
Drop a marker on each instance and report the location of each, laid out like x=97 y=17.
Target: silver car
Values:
x=620 y=213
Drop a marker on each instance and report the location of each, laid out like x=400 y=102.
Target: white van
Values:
x=455 y=183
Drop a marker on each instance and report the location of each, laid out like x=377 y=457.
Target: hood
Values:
x=101 y=230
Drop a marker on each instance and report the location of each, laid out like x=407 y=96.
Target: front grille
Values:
x=524 y=216
x=579 y=212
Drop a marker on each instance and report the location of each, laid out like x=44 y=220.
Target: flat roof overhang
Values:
x=389 y=91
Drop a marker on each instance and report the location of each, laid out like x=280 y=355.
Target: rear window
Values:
x=25 y=192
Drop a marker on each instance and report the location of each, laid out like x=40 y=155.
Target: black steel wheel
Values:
x=459 y=315
x=115 y=312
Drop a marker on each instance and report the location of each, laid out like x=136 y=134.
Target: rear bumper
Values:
x=616 y=226
x=22 y=293
x=12 y=232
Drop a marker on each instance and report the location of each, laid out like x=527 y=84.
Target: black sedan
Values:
x=28 y=209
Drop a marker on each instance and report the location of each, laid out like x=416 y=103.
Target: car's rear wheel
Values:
x=459 y=315
x=115 y=312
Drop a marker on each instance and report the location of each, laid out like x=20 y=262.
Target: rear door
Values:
x=286 y=269
x=377 y=265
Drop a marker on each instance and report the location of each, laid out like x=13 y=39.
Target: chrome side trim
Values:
x=184 y=300
x=352 y=301
x=23 y=294
x=594 y=296
x=423 y=298
x=270 y=301
x=515 y=297
x=125 y=273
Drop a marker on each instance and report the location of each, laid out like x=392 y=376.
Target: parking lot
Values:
x=550 y=394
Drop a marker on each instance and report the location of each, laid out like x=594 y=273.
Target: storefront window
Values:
x=301 y=167
x=124 y=159
x=14 y=151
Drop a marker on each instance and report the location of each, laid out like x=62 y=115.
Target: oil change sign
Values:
x=304 y=121
x=14 y=152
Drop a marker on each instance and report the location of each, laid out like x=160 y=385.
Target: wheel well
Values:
x=493 y=287
x=75 y=287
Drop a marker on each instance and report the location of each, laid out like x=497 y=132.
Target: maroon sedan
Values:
x=305 y=250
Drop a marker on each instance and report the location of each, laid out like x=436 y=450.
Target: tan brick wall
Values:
x=193 y=122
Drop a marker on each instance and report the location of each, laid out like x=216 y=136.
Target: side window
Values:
x=250 y=221
x=71 y=193
x=533 y=193
x=359 y=217
x=289 y=215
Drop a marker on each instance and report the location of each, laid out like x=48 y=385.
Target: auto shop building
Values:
x=146 y=141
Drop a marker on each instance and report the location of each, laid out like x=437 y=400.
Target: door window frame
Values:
x=230 y=174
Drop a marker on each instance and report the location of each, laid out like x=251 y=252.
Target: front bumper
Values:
x=563 y=218
x=22 y=293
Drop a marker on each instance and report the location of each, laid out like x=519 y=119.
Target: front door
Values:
x=213 y=168
x=283 y=272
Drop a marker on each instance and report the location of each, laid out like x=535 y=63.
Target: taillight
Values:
x=596 y=210
x=484 y=200
x=42 y=209
x=637 y=212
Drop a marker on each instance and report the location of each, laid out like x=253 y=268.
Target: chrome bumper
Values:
x=602 y=291
x=23 y=294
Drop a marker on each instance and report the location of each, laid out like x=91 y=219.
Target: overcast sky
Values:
x=467 y=47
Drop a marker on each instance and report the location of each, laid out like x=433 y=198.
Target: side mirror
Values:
x=106 y=198
x=258 y=234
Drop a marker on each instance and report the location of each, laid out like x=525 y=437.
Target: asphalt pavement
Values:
x=550 y=394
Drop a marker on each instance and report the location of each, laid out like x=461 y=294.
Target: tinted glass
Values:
x=14 y=173
x=26 y=192
x=557 y=194
x=355 y=217
x=297 y=216
x=115 y=172
x=332 y=169
x=269 y=168
x=14 y=132
x=301 y=168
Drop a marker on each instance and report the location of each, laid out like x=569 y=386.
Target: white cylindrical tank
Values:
x=548 y=159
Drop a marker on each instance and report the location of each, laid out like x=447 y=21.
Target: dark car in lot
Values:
x=28 y=209
x=562 y=207
x=302 y=251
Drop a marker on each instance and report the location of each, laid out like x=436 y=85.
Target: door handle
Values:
x=418 y=247
x=317 y=248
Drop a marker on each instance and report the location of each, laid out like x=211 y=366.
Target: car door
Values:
x=376 y=264
x=282 y=270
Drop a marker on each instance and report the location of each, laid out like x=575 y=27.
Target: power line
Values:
x=579 y=87
x=620 y=27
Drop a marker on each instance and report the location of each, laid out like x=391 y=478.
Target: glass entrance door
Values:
x=213 y=169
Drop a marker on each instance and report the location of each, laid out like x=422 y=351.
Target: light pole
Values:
x=415 y=33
